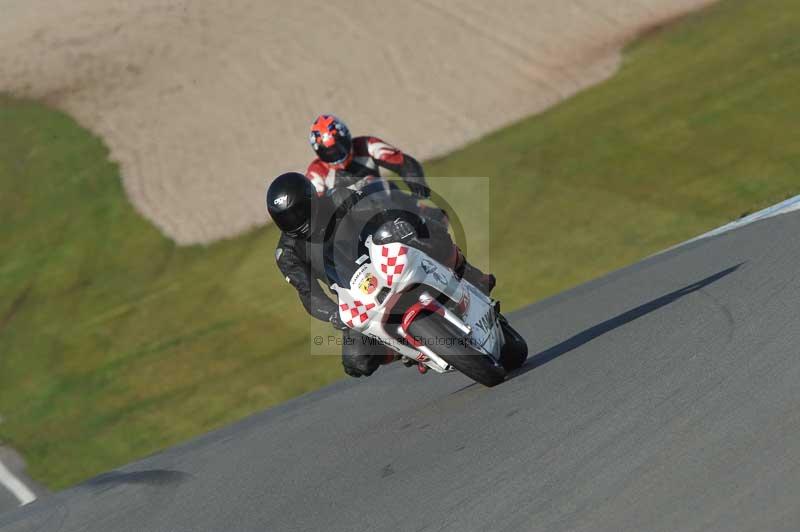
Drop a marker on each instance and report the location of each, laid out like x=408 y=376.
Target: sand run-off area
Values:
x=202 y=101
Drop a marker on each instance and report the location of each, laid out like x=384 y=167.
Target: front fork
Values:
x=426 y=303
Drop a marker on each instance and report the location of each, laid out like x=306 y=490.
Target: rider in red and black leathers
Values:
x=344 y=161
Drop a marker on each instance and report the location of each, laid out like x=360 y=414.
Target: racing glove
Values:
x=418 y=188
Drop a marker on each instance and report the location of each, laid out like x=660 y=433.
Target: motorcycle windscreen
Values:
x=357 y=217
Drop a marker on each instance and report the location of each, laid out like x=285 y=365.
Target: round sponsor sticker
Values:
x=369 y=284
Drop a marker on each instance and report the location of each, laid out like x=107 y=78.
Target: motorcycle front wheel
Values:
x=447 y=341
x=515 y=348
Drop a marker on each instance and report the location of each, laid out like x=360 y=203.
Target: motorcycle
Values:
x=401 y=297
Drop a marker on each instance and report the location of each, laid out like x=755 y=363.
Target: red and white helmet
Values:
x=331 y=141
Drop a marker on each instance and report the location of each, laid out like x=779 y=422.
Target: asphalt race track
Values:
x=15 y=486
x=665 y=396
x=7 y=500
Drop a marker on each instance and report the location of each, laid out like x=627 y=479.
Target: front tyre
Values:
x=515 y=349
x=447 y=342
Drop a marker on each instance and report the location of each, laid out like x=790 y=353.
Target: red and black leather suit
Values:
x=369 y=155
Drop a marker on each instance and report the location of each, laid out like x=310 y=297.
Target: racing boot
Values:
x=483 y=281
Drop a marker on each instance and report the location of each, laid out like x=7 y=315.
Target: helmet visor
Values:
x=336 y=153
x=295 y=220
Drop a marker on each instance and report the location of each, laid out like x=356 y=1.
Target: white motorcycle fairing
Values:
x=391 y=270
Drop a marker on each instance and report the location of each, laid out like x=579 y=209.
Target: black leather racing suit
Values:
x=302 y=263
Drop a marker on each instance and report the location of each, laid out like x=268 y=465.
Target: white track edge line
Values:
x=784 y=207
x=16 y=486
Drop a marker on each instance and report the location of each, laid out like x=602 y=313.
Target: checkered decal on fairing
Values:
x=392 y=261
x=359 y=312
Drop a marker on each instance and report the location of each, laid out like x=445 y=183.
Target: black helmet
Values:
x=292 y=203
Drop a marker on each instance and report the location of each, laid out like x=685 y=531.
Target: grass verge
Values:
x=115 y=343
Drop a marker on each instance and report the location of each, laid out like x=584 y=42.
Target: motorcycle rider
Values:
x=344 y=161
x=308 y=226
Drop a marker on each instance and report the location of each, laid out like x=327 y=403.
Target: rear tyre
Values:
x=515 y=348
x=445 y=340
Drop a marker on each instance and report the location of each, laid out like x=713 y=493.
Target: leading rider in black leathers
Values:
x=311 y=226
